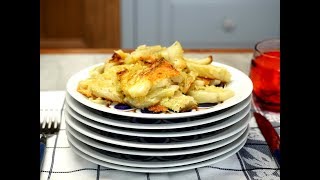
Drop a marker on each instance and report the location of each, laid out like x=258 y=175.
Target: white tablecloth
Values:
x=253 y=161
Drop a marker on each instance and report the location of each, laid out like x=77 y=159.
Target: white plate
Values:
x=240 y=84
x=154 y=161
x=145 y=152
x=163 y=133
x=157 y=170
x=133 y=123
x=159 y=143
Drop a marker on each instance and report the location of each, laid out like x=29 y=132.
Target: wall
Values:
x=199 y=23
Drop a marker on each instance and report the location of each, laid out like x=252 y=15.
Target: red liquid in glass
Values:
x=265 y=75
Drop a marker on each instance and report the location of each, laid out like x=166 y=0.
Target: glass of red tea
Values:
x=265 y=74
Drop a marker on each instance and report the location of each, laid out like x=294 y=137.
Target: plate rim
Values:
x=206 y=147
x=159 y=170
x=227 y=132
x=71 y=89
x=75 y=105
x=173 y=163
x=225 y=123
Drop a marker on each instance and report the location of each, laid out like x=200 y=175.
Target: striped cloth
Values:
x=253 y=161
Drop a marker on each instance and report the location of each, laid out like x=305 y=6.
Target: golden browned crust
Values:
x=84 y=92
x=116 y=59
x=160 y=69
x=83 y=89
x=158 y=108
x=211 y=59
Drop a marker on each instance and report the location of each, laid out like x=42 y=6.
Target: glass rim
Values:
x=263 y=53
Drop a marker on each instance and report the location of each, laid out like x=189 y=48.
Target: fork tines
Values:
x=49 y=121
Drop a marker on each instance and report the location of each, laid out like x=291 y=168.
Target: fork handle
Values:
x=42 y=148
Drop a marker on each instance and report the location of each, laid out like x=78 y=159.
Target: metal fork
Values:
x=49 y=125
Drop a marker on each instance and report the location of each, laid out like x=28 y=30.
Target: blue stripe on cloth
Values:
x=52 y=160
x=55 y=142
x=98 y=172
x=107 y=169
x=242 y=167
x=72 y=171
x=197 y=172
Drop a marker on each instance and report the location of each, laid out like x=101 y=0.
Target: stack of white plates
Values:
x=129 y=139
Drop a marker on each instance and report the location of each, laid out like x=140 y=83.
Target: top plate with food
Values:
x=159 y=82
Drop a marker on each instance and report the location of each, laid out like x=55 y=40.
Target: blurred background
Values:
x=129 y=23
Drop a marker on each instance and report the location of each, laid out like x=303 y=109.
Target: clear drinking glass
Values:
x=265 y=74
